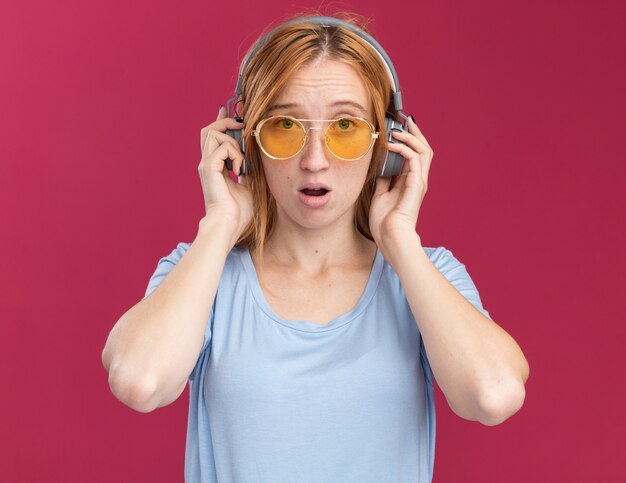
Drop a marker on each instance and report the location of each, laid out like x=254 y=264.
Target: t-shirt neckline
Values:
x=306 y=325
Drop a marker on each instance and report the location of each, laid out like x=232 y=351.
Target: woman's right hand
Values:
x=226 y=201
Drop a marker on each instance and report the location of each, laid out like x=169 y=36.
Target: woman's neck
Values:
x=315 y=250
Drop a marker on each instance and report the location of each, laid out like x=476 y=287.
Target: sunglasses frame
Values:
x=256 y=134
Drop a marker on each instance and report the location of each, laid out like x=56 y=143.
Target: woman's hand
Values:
x=396 y=201
x=226 y=200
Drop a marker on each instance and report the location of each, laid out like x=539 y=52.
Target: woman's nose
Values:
x=314 y=155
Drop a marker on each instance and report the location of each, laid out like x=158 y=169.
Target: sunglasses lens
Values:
x=281 y=137
x=349 y=138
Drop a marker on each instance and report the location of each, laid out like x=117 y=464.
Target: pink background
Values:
x=101 y=109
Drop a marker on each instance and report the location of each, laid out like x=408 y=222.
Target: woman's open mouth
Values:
x=314 y=196
x=312 y=192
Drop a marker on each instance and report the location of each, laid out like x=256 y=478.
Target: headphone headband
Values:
x=327 y=22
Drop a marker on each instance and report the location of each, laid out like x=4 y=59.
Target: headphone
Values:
x=392 y=163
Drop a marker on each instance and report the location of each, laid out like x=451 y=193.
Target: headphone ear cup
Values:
x=391 y=162
x=237 y=135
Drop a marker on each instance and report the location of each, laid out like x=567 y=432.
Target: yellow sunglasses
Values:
x=347 y=138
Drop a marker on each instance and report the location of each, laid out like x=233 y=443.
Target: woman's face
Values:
x=324 y=89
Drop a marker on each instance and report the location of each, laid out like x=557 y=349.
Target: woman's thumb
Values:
x=220 y=113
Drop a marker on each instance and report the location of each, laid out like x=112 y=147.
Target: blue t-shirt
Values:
x=292 y=401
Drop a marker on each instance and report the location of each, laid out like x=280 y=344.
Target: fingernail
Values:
x=412 y=118
x=219 y=111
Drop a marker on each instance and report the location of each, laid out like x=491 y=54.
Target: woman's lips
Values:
x=314 y=198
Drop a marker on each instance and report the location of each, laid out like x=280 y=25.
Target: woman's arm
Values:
x=154 y=346
x=479 y=367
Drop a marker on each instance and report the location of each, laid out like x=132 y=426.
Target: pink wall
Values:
x=101 y=109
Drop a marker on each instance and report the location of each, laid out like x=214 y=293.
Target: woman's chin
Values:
x=323 y=219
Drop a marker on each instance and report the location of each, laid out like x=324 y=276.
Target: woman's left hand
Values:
x=396 y=201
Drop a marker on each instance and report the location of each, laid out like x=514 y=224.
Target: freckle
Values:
x=316 y=251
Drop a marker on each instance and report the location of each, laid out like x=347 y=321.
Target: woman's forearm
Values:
x=477 y=364
x=154 y=346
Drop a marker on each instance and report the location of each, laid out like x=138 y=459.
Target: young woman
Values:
x=306 y=315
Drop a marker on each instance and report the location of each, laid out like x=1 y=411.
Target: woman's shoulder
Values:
x=182 y=248
x=441 y=257
x=437 y=254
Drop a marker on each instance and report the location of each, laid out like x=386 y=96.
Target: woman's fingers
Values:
x=221 y=125
x=213 y=136
x=413 y=129
x=214 y=139
x=412 y=141
x=217 y=157
x=415 y=148
x=412 y=173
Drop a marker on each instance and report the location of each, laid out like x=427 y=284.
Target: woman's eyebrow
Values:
x=293 y=105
